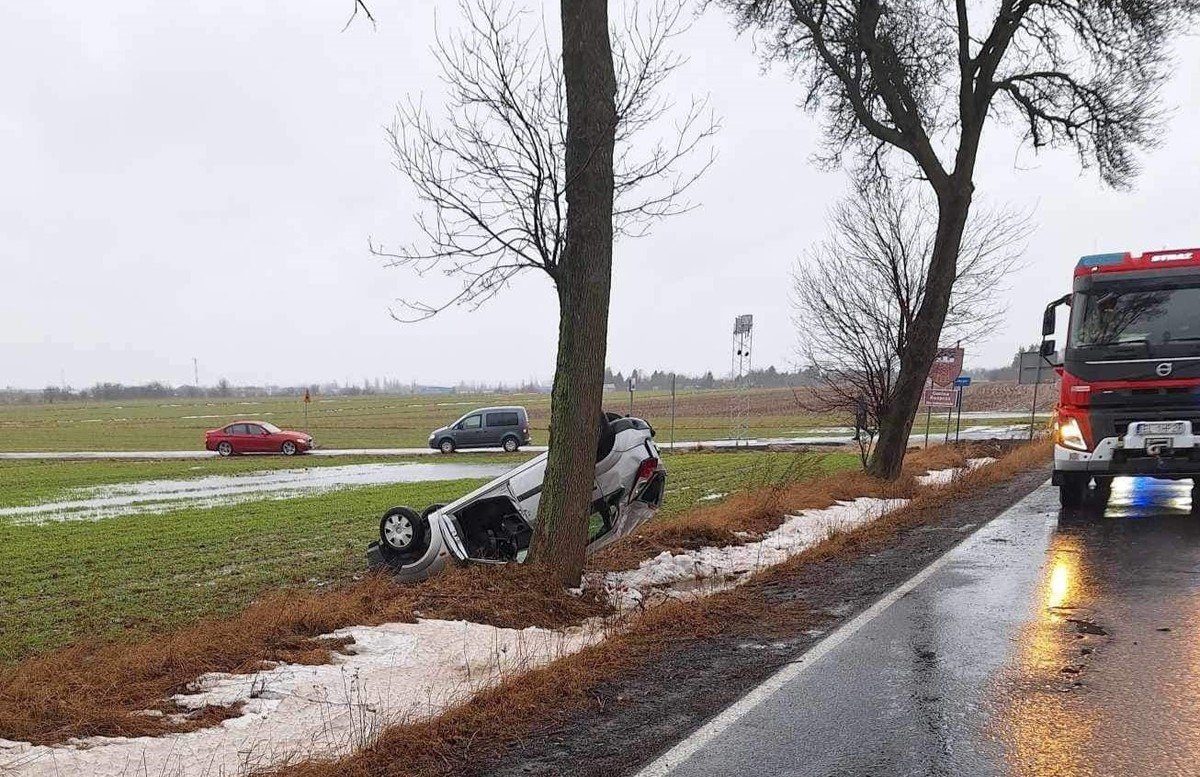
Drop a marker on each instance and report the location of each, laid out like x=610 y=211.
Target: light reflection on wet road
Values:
x=1048 y=644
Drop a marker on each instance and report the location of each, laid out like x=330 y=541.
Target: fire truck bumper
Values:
x=1111 y=458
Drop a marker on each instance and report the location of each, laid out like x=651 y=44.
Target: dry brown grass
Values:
x=93 y=689
x=747 y=515
x=462 y=739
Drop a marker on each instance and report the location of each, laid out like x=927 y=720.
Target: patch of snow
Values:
x=397 y=672
x=944 y=477
x=159 y=496
x=713 y=496
x=729 y=565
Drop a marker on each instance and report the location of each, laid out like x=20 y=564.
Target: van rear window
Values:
x=502 y=419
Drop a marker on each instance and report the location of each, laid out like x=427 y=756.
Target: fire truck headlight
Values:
x=1070 y=435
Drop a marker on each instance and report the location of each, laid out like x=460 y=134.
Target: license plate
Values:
x=1168 y=428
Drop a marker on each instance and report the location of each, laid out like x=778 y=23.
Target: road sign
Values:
x=962 y=381
x=307 y=397
x=947 y=366
x=1036 y=369
x=940 y=397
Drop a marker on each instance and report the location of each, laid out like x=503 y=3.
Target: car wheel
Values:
x=224 y=448
x=511 y=444
x=288 y=448
x=428 y=511
x=401 y=529
x=446 y=445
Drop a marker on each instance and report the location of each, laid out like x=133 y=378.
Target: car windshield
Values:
x=271 y=428
x=1131 y=316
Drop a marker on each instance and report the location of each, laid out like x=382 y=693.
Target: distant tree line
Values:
x=658 y=380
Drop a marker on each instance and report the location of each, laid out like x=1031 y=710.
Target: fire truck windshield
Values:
x=1117 y=315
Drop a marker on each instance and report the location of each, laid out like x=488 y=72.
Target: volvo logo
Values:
x=1164 y=369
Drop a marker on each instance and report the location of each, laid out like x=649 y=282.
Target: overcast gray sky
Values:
x=200 y=180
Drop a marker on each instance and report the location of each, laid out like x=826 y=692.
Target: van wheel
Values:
x=1072 y=490
x=446 y=445
x=401 y=529
x=511 y=444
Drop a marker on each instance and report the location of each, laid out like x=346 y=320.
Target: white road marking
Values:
x=679 y=754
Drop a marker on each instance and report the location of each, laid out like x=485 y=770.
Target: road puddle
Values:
x=159 y=496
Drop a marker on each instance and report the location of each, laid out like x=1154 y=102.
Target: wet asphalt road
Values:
x=1045 y=644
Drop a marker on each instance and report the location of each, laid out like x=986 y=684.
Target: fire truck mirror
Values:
x=1048 y=348
x=1048 y=322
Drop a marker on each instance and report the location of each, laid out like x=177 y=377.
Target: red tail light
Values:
x=647 y=469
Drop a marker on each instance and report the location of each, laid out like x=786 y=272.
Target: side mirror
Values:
x=1048 y=348
x=1048 y=322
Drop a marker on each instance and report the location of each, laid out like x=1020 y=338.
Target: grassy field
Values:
x=396 y=421
x=134 y=575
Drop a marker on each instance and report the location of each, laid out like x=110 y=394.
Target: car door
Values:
x=257 y=439
x=235 y=435
x=493 y=429
x=470 y=432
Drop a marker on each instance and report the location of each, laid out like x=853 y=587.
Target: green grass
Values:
x=375 y=421
x=694 y=476
x=136 y=575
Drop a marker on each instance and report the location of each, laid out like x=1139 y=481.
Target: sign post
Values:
x=672 y=411
x=940 y=388
x=307 y=402
x=632 y=386
x=960 y=383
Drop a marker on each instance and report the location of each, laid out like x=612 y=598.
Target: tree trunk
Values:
x=583 y=278
x=917 y=357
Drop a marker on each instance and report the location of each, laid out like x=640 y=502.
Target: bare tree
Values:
x=913 y=83
x=491 y=167
x=857 y=294
x=538 y=163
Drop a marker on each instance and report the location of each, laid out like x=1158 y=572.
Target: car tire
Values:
x=446 y=445
x=428 y=511
x=224 y=448
x=511 y=444
x=288 y=448
x=401 y=529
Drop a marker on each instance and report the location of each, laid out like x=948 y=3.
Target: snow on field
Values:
x=944 y=477
x=158 y=496
x=398 y=672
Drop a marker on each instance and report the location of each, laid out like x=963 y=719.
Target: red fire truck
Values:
x=1130 y=392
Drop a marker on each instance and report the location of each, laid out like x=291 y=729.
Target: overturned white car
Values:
x=494 y=523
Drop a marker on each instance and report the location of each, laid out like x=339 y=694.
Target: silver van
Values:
x=488 y=427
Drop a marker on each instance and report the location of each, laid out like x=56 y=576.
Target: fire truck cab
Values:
x=1129 y=401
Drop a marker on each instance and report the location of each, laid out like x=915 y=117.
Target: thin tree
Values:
x=914 y=83
x=856 y=295
x=537 y=163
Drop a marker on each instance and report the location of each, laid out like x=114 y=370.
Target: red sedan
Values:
x=256 y=437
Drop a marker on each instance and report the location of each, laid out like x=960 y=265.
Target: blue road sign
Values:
x=962 y=381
